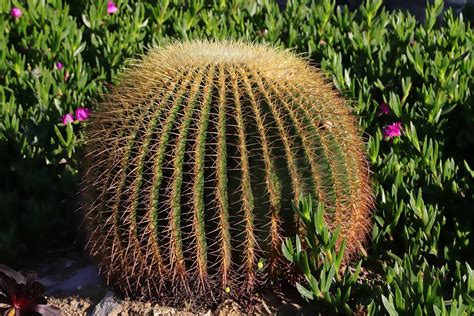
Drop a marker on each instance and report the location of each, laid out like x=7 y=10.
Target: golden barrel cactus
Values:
x=194 y=158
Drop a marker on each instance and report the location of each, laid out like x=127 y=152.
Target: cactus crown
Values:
x=193 y=160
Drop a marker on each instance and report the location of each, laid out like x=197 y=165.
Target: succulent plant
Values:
x=22 y=294
x=194 y=158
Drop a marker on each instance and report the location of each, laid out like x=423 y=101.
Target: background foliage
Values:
x=421 y=242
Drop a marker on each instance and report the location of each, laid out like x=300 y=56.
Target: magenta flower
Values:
x=383 y=108
x=59 y=65
x=392 y=130
x=82 y=114
x=111 y=7
x=16 y=12
x=67 y=118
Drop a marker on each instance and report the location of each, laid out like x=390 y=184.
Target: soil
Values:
x=73 y=284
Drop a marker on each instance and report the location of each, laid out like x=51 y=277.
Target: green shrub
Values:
x=410 y=287
x=320 y=260
x=423 y=179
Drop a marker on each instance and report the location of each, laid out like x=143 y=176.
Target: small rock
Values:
x=163 y=311
x=108 y=306
x=68 y=263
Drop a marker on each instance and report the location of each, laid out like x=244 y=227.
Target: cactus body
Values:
x=193 y=161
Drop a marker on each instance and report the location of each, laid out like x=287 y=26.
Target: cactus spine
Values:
x=193 y=160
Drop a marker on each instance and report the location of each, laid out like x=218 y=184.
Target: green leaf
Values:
x=287 y=249
x=60 y=136
x=399 y=300
x=389 y=306
x=418 y=311
x=304 y=292
x=329 y=278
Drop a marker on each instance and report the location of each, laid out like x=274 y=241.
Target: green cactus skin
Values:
x=192 y=162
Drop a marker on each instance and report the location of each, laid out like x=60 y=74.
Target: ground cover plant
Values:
x=410 y=84
x=22 y=294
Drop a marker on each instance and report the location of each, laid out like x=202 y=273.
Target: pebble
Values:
x=108 y=306
x=163 y=311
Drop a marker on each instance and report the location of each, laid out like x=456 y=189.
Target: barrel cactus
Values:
x=194 y=158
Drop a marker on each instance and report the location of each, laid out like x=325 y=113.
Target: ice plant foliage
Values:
x=320 y=260
x=193 y=161
x=422 y=70
x=21 y=294
x=392 y=130
x=16 y=13
x=111 y=7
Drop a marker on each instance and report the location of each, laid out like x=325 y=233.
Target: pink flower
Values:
x=15 y=12
x=392 y=130
x=82 y=114
x=67 y=118
x=383 y=108
x=111 y=7
x=59 y=65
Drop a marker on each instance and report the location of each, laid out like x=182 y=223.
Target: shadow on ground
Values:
x=73 y=284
